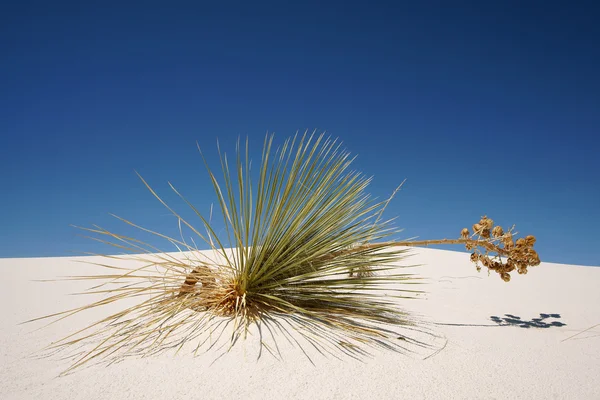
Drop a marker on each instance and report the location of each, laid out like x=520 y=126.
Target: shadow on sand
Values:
x=513 y=320
x=541 y=322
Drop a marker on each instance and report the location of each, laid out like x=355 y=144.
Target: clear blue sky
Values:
x=484 y=107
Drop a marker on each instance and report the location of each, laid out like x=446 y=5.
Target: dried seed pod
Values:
x=522 y=271
x=474 y=257
x=509 y=244
x=497 y=231
x=505 y=276
x=519 y=258
x=520 y=242
x=486 y=222
x=521 y=265
x=534 y=261
x=464 y=233
x=477 y=228
x=510 y=268
x=485 y=261
x=485 y=233
x=530 y=252
x=469 y=246
x=530 y=240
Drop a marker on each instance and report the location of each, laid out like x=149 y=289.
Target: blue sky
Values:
x=484 y=107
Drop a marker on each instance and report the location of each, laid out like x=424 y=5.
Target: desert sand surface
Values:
x=536 y=337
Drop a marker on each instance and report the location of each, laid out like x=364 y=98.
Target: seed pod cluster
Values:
x=498 y=251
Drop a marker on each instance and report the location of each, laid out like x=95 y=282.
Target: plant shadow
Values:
x=541 y=322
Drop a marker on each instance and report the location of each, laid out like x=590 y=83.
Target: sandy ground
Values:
x=537 y=337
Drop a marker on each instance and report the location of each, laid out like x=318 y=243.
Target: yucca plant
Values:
x=304 y=253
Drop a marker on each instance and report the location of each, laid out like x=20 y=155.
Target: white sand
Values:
x=475 y=357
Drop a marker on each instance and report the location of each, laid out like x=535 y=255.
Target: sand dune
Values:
x=536 y=337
